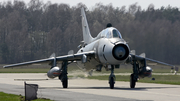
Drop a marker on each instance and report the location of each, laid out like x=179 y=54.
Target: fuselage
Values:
x=110 y=49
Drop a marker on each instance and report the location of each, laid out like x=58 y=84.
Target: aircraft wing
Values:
x=151 y=62
x=72 y=57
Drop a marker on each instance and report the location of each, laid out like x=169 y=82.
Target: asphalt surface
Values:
x=88 y=90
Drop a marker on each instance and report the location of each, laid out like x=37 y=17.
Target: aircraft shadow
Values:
x=115 y=88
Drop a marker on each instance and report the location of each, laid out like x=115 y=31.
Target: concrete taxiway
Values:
x=88 y=90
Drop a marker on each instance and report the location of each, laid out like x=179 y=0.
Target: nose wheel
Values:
x=112 y=78
x=112 y=82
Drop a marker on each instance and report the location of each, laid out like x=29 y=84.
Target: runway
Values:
x=88 y=90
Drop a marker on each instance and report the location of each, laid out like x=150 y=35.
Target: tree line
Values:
x=36 y=30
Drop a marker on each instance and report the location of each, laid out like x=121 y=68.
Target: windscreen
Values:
x=116 y=33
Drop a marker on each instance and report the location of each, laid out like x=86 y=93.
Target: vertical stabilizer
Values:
x=87 y=38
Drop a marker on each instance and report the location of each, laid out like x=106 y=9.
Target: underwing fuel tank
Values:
x=113 y=51
x=54 y=72
x=145 y=72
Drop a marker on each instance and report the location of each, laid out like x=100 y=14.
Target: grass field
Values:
x=24 y=70
x=12 y=97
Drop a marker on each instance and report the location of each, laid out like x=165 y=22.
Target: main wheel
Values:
x=132 y=81
x=65 y=83
x=111 y=82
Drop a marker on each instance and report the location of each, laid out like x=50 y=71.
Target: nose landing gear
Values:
x=112 y=78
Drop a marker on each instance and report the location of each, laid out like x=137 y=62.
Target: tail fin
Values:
x=87 y=38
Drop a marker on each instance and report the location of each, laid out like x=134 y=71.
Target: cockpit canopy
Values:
x=111 y=33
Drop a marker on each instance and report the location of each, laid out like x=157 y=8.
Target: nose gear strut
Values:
x=112 y=78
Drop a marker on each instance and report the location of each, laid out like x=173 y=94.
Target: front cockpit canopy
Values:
x=111 y=33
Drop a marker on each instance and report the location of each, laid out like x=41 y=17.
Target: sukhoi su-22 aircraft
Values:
x=108 y=50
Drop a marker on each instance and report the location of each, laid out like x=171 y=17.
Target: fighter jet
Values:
x=108 y=50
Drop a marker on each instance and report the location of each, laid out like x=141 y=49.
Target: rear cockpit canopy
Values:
x=110 y=33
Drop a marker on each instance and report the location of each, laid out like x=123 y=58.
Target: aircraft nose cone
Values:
x=120 y=52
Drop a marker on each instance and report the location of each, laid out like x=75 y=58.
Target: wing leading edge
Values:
x=72 y=57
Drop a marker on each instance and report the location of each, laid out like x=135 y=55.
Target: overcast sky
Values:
x=116 y=3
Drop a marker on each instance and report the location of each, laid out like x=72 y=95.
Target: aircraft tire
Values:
x=111 y=82
x=65 y=83
x=132 y=81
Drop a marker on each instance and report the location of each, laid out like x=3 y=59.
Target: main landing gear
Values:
x=63 y=77
x=134 y=76
x=132 y=81
x=112 y=78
